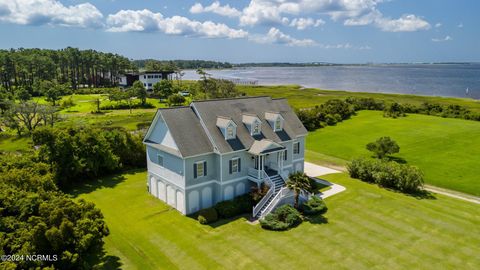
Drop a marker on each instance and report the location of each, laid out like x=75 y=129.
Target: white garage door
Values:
x=180 y=202
x=161 y=191
x=240 y=189
x=228 y=193
x=153 y=186
x=171 y=196
x=207 y=197
x=193 y=202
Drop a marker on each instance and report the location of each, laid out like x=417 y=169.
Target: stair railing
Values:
x=264 y=200
x=281 y=194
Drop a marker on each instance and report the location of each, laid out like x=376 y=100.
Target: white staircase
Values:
x=267 y=204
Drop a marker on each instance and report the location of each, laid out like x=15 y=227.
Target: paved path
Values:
x=314 y=171
x=453 y=194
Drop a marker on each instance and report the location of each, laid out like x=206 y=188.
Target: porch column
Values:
x=258 y=165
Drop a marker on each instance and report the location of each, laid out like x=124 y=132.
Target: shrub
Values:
x=387 y=174
x=314 y=206
x=394 y=110
x=282 y=218
x=239 y=205
x=207 y=215
x=125 y=106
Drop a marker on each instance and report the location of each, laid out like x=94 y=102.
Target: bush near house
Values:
x=401 y=177
x=314 y=206
x=207 y=215
x=282 y=218
x=240 y=205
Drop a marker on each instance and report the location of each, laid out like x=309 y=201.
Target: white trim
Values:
x=165 y=181
x=199 y=155
x=203 y=184
x=150 y=128
x=288 y=166
x=298 y=159
x=238 y=169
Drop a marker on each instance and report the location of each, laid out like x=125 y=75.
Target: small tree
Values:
x=176 y=100
x=297 y=182
x=139 y=91
x=52 y=91
x=163 y=88
x=383 y=146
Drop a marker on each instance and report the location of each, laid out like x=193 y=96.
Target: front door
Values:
x=257 y=163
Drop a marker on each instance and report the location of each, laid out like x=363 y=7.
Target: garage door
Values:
x=153 y=186
x=180 y=202
x=161 y=191
x=171 y=196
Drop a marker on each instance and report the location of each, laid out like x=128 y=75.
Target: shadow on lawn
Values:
x=102 y=182
x=101 y=260
x=317 y=219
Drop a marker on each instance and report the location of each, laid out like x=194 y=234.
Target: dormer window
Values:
x=230 y=132
x=253 y=124
x=275 y=120
x=278 y=124
x=256 y=128
x=227 y=127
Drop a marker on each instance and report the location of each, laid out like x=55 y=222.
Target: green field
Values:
x=366 y=227
x=446 y=150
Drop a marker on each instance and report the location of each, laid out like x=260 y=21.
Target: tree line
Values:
x=26 y=68
x=182 y=64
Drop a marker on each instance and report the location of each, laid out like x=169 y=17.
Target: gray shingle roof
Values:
x=209 y=111
x=187 y=131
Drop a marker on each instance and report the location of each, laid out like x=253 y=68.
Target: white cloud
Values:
x=304 y=23
x=275 y=36
x=147 y=21
x=344 y=46
x=406 y=23
x=217 y=8
x=460 y=25
x=50 y=12
x=447 y=38
x=437 y=25
x=352 y=12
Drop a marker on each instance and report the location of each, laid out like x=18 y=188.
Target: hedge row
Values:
x=405 y=178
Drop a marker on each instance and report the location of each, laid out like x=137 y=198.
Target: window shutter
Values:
x=204 y=168
x=195 y=170
x=230 y=166
x=239 y=165
x=285 y=156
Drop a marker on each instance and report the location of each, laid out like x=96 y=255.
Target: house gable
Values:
x=161 y=135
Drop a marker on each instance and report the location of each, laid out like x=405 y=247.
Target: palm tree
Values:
x=297 y=182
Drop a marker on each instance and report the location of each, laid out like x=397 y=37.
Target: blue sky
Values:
x=342 y=31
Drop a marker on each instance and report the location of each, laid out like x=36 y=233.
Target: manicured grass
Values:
x=308 y=97
x=446 y=150
x=367 y=227
x=10 y=143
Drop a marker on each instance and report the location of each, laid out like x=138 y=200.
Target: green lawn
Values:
x=308 y=97
x=367 y=228
x=447 y=150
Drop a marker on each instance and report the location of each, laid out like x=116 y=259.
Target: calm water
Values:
x=433 y=80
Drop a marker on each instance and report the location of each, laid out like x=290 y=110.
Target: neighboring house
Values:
x=148 y=78
x=215 y=150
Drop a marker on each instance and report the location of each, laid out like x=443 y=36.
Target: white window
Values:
x=235 y=165
x=160 y=160
x=200 y=169
x=296 y=148
x=230 y=132
x=278 y=124
x=256 y=128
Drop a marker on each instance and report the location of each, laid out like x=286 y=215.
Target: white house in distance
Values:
x=148 y=78
x=215 y=150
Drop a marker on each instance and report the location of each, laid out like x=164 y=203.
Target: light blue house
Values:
x=215 y=150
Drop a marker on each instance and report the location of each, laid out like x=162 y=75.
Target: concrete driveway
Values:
x=315 y=171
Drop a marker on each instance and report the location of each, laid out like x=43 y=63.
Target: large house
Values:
x=148 y=78
x=215 y=150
